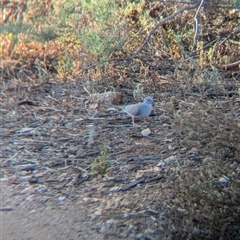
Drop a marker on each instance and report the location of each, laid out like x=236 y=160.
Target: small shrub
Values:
x=100 y=164
x=208 y=130
x=213 y=124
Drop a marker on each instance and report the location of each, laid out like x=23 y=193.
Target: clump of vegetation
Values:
x=216 y=129
x=70 y=35
x=209 y=115
x=212 y=124
x=96 y=24
x=205 y=188
x=100 y=164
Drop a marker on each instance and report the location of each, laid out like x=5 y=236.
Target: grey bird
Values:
x=140 y=110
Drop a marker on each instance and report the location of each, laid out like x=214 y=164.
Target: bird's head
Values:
x=148 y=100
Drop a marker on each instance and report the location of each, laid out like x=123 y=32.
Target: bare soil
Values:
x=50 y=138
x=48 y=189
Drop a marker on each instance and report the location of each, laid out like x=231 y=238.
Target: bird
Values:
x=139 y=110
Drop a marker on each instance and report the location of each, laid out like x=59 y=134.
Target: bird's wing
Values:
x=133 y=110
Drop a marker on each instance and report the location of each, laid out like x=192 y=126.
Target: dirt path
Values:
x=31 y=218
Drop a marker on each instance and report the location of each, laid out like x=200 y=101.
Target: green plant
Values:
x=96 y=24
x=100 y=164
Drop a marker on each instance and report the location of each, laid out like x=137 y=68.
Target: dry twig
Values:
x=159 y=24
x=196 y=25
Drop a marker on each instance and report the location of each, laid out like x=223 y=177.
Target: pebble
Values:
x=61 y=200
x=167 y=161
x=6 y=209
x=223 y=180
x=28 y=190
x=145 y=132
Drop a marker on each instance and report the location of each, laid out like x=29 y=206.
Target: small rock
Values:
x=167 y=161
x=28 y=190
x=146 y=132
x=32 y=212
x=6 y=209
x=223 y=180
x=61 y=199
x=114 y=189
